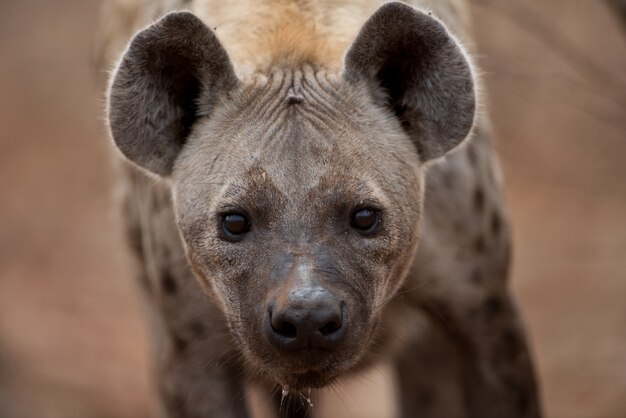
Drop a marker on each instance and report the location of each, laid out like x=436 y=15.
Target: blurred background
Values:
x=72 y=338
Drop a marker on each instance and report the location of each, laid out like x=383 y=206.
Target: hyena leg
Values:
x=200 y=379
x=472 y=362
x=498 y=376
x=199 y=366
x=429 y=374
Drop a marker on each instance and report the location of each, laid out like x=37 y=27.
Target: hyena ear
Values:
x=422 y=71
x=172 y=71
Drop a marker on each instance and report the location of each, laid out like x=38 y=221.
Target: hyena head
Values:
x=298 y=192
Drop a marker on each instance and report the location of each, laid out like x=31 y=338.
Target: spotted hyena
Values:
x=310 y=191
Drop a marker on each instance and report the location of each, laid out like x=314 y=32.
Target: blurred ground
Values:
x=72 y=342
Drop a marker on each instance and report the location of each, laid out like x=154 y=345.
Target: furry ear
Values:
x=422 y=70
x=170 y=71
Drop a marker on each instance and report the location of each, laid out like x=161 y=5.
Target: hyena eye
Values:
x=365 y=220
x=235 y=224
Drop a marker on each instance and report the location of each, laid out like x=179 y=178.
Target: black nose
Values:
x=311 y=321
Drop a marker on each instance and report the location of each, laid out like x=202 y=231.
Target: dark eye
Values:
x=365 y=220
x=235 y=224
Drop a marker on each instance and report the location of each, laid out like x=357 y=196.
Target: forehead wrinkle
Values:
x=255 y=100
x=273 y=93
x=296 y=143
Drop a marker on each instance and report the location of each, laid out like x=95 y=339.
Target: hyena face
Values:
x=299 y=205
x=298 y=192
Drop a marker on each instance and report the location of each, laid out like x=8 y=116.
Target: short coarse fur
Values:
x=294 y=115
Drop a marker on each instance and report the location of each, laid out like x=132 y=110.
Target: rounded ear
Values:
x=426 y=77
x=172 y=70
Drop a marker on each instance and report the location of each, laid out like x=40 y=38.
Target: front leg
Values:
x=428 y=369
x=497 y=373
x=500 y=361
x=198 y=363
x=468 y=362
x=201 y=379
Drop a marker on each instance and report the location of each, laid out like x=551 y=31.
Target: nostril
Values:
x=282 y=325
x=330 y=328
x=323 y=324
x=284 y=329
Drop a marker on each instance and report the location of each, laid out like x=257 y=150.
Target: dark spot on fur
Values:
x=175 y=403
x=479 y=199
x=135 y=242
x=197 y=329
x=496 y=224
x=523 y=402
x=169 y=284
x=521 y=393
x=476 y=277
x=472 y=157
x=438 y=311
x=459 y=228
x=506 y=260
x=509 y=347
x=480 y=245
x=493 y=307
x=180 y=344
x=489 y=309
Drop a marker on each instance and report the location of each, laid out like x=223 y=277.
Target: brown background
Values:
x=72 y=341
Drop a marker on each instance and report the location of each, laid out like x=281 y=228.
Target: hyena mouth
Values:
x=307 y=379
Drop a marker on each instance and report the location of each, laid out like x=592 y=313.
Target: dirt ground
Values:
x=72 y=340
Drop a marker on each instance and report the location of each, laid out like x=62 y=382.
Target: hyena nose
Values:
x=309 y=322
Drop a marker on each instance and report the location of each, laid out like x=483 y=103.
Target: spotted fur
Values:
x=298 y=110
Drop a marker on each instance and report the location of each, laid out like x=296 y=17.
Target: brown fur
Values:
x=260 y=112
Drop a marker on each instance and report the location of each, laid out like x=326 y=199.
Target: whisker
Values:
x=401 y=293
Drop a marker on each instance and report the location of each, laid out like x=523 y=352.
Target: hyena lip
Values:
x=302 y=372
x=310 y=360
x=312 y=379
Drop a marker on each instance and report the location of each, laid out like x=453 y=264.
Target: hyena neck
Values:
x=262 y=34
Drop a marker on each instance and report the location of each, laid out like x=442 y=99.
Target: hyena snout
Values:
x=306 y=318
